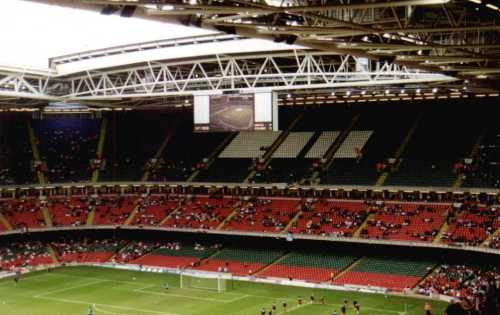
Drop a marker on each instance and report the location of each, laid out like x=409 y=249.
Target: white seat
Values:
x=248 y=144
x=324 y=141
x=354 y=141
x=293 y=144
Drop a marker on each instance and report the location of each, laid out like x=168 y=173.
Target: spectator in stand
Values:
x=23 y=254
x=476 y=288
x=473 y=224
x=135 y=250
x=67 y=147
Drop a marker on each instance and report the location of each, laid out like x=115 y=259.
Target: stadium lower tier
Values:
x=393 y=273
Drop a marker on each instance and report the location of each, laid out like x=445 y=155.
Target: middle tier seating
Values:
x=113 y=209
x=201 y=213
x=264 y=215
x=473 y=225
x=68 y=211
x=154 y=209
x=406 y=221
x=495 y=242
x=22 y=213
x=331 y=217
x=469 y=224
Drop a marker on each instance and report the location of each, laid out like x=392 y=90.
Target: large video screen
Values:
x=233 y=112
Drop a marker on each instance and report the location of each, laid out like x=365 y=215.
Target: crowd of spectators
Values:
x=68 y=211
x=112 y=210
x=264 y=214
x=23 y=213
x=66 y=147
x=81 y=246
x=418 y=222
x=23 y=254
x=201 y=213
x=469 y=222
x=484 y=169
x=477 y=288
x=495 y=242
x=329 y=218
x=135 y=250
x=472 y=224
x=153 y=209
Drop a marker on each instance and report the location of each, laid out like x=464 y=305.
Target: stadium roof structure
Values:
x=362 y=50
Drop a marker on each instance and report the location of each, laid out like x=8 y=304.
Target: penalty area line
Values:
x=291 y=309
x=100 y=310
x=190 y=297
x=68 y=288
x=123 y=308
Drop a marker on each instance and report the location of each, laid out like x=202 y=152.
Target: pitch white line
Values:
x=34 y=278
x=214 y=300
x=288 y=310
x=149 y=285
x=238 y=298
x=143 y=290
x=124 y=308
x=100 y=310
x=68 y=288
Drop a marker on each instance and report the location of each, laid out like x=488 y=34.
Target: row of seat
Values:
x=473 y=225
x=407 y=221
x=331 y=218
x=250 y=144
x=320 y=267
x=391 y=273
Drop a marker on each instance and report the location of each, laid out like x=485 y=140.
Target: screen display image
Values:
x=235 y=112
x=231 y=112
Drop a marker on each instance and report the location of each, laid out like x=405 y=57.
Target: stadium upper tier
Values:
x=421 y=144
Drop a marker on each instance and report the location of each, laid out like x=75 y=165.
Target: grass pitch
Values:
x=70 y=290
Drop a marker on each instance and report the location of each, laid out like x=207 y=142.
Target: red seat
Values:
x=298 y=273
x=389 y=281
x=266 y=215
x=237 y=268
x=165 y=261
